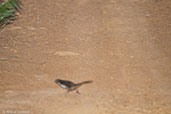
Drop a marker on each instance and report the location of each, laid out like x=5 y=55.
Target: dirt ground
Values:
x=124 y=46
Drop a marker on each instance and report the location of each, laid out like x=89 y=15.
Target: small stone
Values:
x=147 y=15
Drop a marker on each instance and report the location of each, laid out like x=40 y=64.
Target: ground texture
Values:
x=124 y=46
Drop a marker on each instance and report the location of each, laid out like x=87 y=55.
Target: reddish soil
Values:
x=122 y=45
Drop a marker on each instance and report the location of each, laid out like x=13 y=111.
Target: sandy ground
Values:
x=122 y=45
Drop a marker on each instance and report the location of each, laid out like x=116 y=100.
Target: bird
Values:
x=71 y=86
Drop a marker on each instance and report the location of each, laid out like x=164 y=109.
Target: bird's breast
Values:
x=62 y=85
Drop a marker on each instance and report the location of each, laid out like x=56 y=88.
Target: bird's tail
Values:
x=85 y=82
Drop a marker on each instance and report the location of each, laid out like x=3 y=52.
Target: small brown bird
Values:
x=70 y=86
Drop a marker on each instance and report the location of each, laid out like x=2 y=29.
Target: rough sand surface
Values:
x=124 y=46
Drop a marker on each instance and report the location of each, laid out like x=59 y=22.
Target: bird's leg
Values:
x=77 y=92
x=68 y=90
